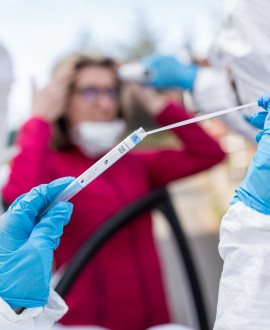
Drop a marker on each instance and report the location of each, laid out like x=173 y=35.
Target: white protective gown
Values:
x=241 y=48
x=33 y=318
x=244 y=290
x=213 y=91
x=244 y=295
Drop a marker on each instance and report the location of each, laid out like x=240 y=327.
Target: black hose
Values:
x=157 y=199
x=168 y=210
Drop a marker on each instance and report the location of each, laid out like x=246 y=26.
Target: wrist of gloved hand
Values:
x=26 y=249
x=263 y=101
x=254 y=190
x=190 y=73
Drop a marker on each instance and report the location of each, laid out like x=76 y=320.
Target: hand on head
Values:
x=168 y=72
x=167 y=78
x=50 y=103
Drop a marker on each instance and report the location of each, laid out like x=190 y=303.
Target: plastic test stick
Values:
x=121 y=149
x=99 y=167
x=199 y=118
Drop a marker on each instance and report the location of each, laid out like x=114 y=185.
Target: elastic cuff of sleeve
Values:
x=8 y=315
x=56 y=307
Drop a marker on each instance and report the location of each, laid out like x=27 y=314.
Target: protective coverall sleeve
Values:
x=244 y=291
x=33 y=318
x=198 y=150
x=241 y=47
x=213 y=91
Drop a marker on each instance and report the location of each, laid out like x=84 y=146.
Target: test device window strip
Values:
x=135 y=138
x=98 y=168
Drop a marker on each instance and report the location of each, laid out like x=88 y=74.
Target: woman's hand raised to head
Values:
x=50 y=102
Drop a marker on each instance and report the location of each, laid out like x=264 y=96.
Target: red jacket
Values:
x=121 y=288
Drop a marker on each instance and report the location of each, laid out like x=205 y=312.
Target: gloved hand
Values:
x=263 y=101
x=168 y=72
x=26 y=251
x=254 y=191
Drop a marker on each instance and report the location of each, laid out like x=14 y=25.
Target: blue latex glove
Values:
x=168 y=72
x=263 y=101
x=26 y=251
x=254 y=191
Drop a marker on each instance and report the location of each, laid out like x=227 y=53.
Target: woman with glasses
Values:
x=76 y=119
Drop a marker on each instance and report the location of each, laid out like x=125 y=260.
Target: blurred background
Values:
x=38 y=33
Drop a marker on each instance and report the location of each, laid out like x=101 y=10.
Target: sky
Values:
x=38 y=33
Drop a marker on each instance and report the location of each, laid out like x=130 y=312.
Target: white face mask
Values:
x=96 y=138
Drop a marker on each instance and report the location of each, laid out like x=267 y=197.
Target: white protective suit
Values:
x=213 y=91
x=244 y=294
x=244 y=291
x=242 y=47
x=33 y=318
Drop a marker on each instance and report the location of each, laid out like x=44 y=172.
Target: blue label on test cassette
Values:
x=135 y=138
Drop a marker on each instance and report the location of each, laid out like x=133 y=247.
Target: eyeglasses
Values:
x=92 y=93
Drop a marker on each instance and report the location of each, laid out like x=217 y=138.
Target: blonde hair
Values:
x=78 y=61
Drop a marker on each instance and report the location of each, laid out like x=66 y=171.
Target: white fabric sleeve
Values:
x=244 y=290
x=213 y=91
x=33 y=318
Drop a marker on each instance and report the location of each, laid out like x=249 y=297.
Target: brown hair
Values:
x=78 y=61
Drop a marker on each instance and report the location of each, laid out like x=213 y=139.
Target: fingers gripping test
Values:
x=121 y=149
